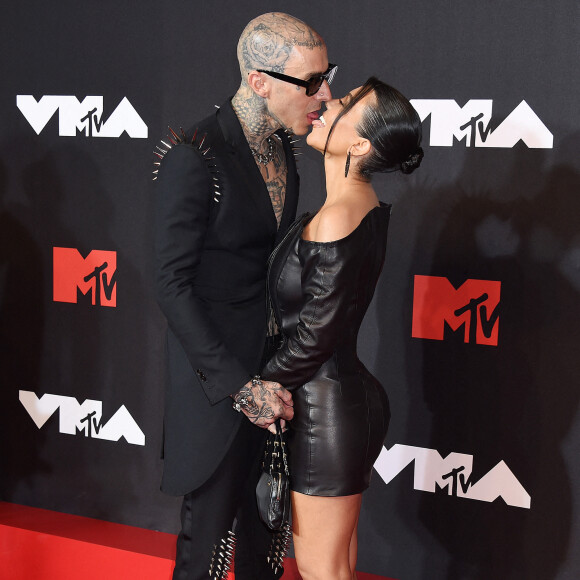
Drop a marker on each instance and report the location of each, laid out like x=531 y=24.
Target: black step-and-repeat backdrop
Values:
x=474 y=330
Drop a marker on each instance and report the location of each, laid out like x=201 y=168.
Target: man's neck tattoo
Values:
x=257 y=124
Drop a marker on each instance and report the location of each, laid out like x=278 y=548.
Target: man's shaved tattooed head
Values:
x=268 y=40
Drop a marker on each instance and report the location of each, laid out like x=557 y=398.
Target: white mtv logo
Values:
x=81 y=116
x=85 y=417
x=452 y=473
x=471 y=122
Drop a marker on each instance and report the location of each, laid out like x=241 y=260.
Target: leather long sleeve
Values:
x=182 y=212
x=320 y=293
x=330 y=273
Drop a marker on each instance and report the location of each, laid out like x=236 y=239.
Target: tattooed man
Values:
x=227 y=192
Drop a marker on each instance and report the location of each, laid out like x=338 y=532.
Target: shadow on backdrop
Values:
x=22 y=323
x=516 y=401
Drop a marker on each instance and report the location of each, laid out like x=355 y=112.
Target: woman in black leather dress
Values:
x=322 y=278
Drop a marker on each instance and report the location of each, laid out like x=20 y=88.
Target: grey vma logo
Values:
x=85 y=418
x=472 y=124
x=82 y=117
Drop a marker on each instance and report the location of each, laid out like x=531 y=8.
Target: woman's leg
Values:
x=353 y=549
x=323 y=529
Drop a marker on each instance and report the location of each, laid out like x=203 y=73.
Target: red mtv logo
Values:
x=96 y=274
x=474 y=305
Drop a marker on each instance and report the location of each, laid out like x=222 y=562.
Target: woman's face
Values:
x=344 y=134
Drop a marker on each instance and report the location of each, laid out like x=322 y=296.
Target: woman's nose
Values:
x=331 y=104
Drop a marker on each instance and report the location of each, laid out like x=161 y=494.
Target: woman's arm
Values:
x=329 y=280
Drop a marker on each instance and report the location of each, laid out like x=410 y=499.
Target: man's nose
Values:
x=324 y=93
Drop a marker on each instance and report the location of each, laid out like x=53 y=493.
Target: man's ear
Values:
x=360 y=147
x=259 y=84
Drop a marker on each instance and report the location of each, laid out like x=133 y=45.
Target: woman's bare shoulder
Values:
x=336 y=221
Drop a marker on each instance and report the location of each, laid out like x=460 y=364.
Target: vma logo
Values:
x=82 y=117
x=97 y=274
x=83 y=418
x=453 y=474
x=472 y=123
x=473 y=306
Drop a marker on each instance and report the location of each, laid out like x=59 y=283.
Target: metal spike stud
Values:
x=175 y=135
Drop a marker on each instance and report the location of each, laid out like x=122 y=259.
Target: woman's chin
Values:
x=312 y=141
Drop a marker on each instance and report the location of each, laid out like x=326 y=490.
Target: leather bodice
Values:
x=320 y=292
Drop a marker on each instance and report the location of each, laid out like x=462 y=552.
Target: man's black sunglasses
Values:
x=312 y=85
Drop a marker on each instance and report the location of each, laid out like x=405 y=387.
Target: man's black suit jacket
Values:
x=211 y=262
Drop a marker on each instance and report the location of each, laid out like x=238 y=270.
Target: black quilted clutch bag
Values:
x=273 y=489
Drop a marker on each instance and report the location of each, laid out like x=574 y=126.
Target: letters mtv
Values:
x=453 y=474
x=471 y=123
x=82 y=117
x=473 y=306
x=86 y=418
x=96 y=274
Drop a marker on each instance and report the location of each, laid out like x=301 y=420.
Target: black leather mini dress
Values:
x=319 y=292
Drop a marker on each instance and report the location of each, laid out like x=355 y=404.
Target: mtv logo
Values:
x=84 y=116
x=473 y=306
x=97 y=274
x=471 y=122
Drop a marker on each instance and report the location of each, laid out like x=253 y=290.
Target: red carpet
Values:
x=37 y=544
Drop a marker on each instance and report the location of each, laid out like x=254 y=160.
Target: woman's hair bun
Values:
x=412 y=162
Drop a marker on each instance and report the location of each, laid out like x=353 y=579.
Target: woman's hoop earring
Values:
x=347 y=166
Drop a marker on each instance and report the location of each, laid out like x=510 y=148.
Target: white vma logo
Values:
x=452 y=473
x=82 y=418
x=472 y=123
x=84 y=116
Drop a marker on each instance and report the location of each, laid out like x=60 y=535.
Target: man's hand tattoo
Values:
x=260 y=402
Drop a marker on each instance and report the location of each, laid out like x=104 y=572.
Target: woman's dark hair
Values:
x=392 y=126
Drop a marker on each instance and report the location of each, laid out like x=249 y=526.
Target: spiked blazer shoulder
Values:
x=214 y=230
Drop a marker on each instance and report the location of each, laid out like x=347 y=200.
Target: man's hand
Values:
x=264 y=401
